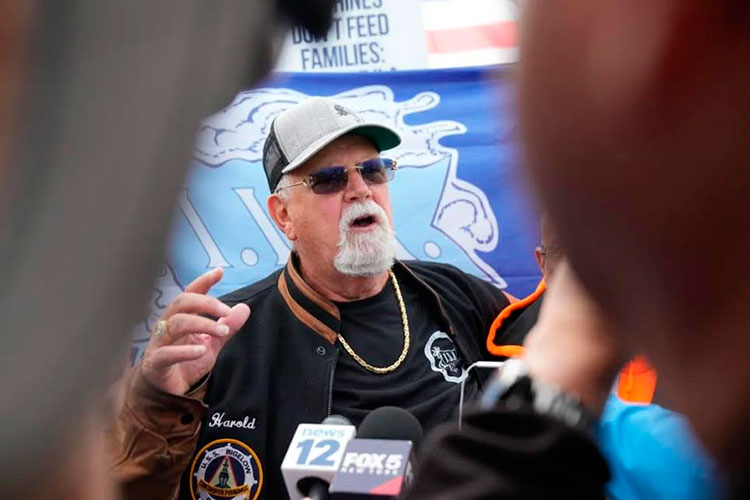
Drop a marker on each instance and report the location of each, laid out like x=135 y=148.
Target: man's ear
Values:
x=539 y=258
x=277 y=207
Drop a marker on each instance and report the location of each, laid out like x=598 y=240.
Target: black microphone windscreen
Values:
x=391 y=422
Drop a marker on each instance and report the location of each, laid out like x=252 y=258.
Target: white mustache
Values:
x=363 y=209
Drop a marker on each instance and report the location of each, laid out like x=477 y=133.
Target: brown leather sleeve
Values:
x=152 y=437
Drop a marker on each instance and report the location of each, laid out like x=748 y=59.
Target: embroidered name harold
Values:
x=218 y=420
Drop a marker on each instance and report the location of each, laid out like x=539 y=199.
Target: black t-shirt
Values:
x=428 y=382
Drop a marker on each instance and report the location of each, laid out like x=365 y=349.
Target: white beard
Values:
x=365 y=253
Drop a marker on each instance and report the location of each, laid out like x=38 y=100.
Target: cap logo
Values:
x=342 y=111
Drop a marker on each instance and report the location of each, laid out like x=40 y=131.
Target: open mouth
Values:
x=363 y=222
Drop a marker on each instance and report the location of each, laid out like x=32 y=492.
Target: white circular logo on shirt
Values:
x=444 y=358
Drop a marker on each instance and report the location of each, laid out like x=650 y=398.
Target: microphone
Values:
x=313 y=457
x=379 y=462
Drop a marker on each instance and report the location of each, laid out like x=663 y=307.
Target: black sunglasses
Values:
x=334 y=179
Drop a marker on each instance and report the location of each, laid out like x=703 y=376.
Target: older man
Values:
x=344 y=328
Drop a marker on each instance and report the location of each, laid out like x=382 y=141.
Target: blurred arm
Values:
x=152 y=437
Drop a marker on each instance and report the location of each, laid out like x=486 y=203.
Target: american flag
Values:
x=470 y=32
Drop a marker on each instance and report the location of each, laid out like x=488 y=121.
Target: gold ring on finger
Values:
x=160 y=330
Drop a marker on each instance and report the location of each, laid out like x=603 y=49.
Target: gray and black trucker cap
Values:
x=303 y=130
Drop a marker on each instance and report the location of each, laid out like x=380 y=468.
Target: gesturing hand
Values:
x=189 y=344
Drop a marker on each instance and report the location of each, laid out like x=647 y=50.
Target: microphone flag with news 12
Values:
x=313 y=457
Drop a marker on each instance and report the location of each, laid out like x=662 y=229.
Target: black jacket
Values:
x=277 y=371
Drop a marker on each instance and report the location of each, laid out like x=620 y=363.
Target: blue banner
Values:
x=458 y=196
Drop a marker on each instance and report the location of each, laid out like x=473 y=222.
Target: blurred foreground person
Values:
x=634 y=121
x=543 y=420
x=642 y=108
x=651 y=451
x=99 y=103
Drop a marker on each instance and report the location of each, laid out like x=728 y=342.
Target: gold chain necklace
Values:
x=405 y=322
